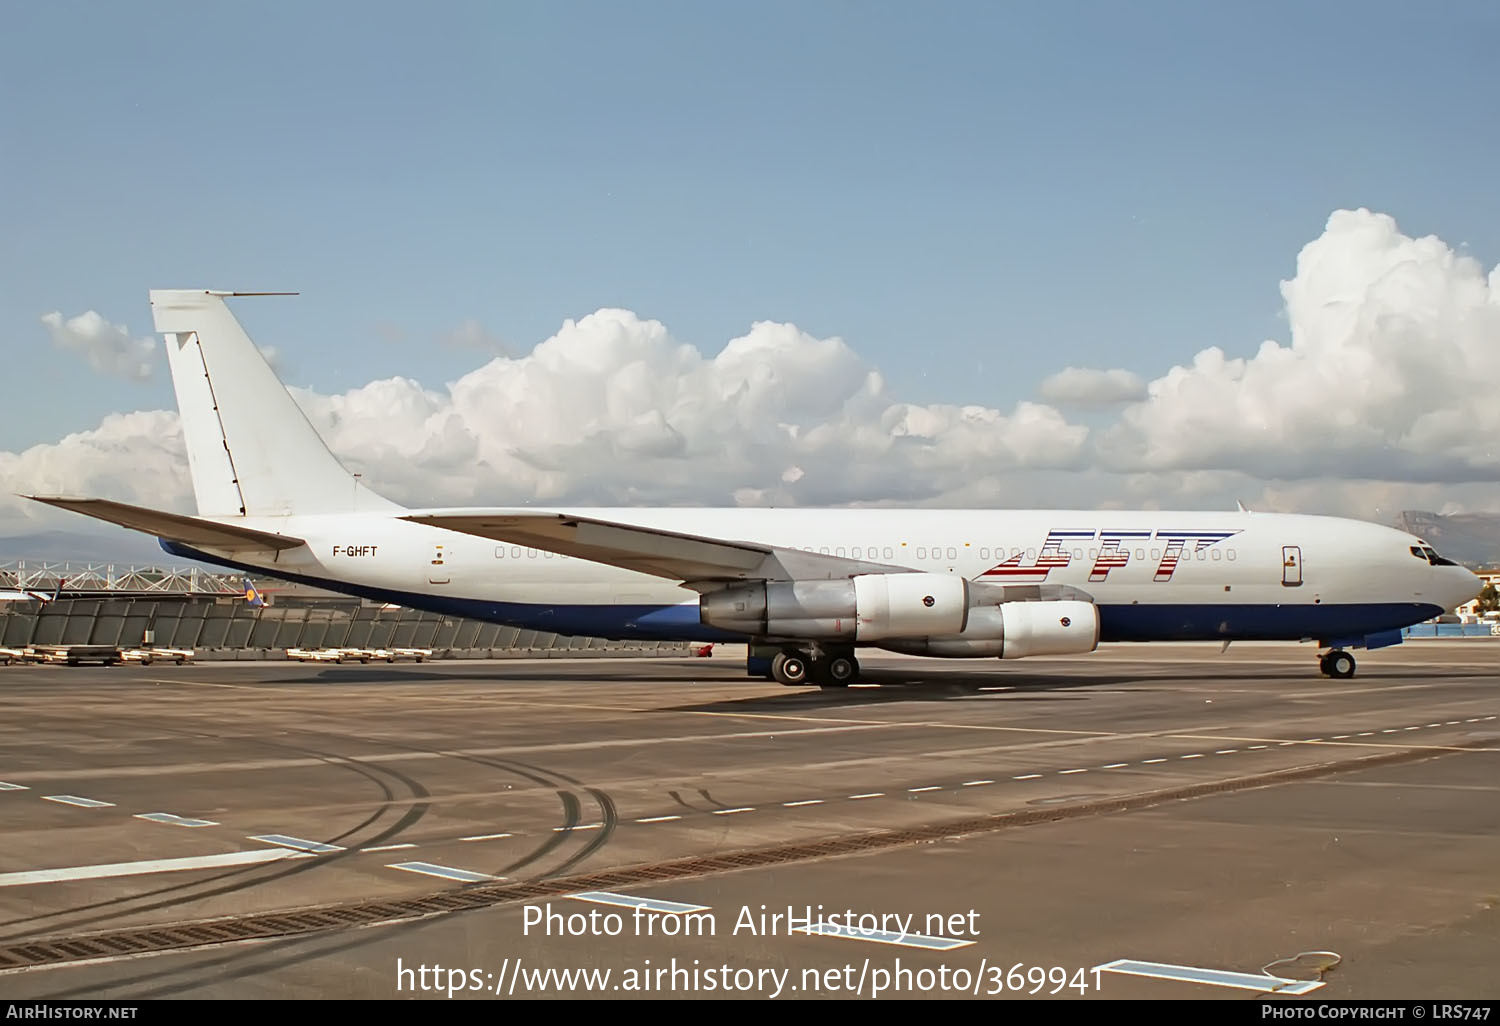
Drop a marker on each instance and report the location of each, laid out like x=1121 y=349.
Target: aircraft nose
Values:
x=1465 y=588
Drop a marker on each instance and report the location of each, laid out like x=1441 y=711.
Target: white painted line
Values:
x=446 y=872
x=872 y=794
x=1313 y=740
x=581 y=826
x=1340 y=737
x=389 y=847
x=1258 y=982
x=484 y=837
x=1255 y=747
x=1226 y=751
x=914 y=790
x=730 y=812
x=1116 y=765
x=1411 y=728
x=905 y=940
x=1196 y=755
x=13 y=787
x=1392 y=730
x=671 y=908
x=1474 y=720
x=315 y=847
x=1452 y=723
x=232 y=858
x=1434 y=724
x=73 y=799
x=182 y=821
x=1063 y=773
x=975 y=783
x=1027 y=776
x=1283 y=744
x=658 y=819
x=809 y=801
x=1365 y=733
x=1144 y=761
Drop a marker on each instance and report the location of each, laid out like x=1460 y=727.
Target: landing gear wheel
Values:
x=789 y=668
x=841 y=670
x=1337 y=664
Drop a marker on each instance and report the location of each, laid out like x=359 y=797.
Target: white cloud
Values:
x=107 y=347
x=1092 y=389
x=1382 y=399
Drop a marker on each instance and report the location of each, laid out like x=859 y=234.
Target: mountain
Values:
x=1472 y=539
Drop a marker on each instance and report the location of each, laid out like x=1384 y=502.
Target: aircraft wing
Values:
x=175 y=526
x=693 y=559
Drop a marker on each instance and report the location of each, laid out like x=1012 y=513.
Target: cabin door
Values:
x=1291 y=566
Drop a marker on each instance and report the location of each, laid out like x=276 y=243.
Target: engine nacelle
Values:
x=868 y=607
x=1013 y=630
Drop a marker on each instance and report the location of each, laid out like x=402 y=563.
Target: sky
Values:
x=988 y=254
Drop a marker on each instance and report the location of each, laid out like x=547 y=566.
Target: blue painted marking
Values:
x=446 y=872
x=671 y=908
x=908 y=940
x=73 y=799
x=1146 y=622
x=298 y=843
x=1259 y=982
x=182 y=821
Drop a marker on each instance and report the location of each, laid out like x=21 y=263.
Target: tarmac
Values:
x=1231 y=823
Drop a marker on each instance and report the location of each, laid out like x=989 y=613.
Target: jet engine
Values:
x=864 y=608
x=1012 y=630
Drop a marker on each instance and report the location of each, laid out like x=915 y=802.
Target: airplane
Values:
x=806 y=588
x=253 y=597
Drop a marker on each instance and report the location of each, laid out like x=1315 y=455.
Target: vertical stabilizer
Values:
x=251 y=450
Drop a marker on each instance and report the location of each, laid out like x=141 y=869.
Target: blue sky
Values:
x=972 y=195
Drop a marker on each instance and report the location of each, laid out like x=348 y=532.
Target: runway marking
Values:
x=484 y=837
x=730 y=812
x=1148 y=761
x=872 y=794
x=73 y=799
x=1365 y=733
x=99 y=872
x=1450 y=723
x=809 y=801
x=446 y=872
x=657 y=819
x=1255 y=747
x=13 y=787
x=1434 y=724
x=905 y=940
x=314 y=847
x=1063 y=773
x=914 y=790
x=1283 y=744
x=1226 y=751
x=1341 y=737
x=182 y=821
x=1259 y=982
x=975 y=783
x=1195 y=755
x=671 y=908
x=1116 y=765
x=389 y=847
x=1027 y=776
x=582 y=826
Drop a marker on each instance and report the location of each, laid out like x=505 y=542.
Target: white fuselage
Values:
x=1154 y=575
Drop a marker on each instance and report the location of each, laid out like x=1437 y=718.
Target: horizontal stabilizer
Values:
x=175 y=526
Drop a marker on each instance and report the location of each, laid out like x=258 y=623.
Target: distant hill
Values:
x=1472 y=539
x=127 y=548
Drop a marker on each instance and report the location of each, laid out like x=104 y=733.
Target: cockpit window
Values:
x=1428 y=553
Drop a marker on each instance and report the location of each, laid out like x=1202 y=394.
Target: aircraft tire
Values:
x=789 y=668
x=1338 y=664
x=840 y=671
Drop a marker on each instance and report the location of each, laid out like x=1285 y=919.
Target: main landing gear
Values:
x=795 y=668
x=1337 y=664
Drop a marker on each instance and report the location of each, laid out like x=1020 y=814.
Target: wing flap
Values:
x=175 y=526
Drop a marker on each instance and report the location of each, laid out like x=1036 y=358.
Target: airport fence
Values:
x=232 y=629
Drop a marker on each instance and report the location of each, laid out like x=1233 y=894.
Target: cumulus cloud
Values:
x=107 y=347
x=1382 y=398
x=1389 y=373
x=1092 y=389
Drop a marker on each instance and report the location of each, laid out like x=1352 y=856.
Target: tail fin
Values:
x=251 y=450
x=253 y=596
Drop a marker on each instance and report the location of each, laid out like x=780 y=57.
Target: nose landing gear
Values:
x=1337 y=664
